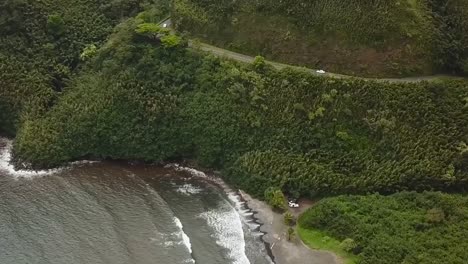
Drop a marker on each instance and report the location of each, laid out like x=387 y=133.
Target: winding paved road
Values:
x=249 y=59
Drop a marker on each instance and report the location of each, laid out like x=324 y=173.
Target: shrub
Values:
x=291 y=233
x=259 y=63
x=348 y=245
x=275 y=198
x=171 y=41
x=289 y=219
x=435 y=216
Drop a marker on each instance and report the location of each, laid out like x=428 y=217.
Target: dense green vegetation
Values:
x=402 y=228
x=72 y=85
x=451 y=42
x=318 y=240
x=40 y=47
x=142 y=99
x=371 y=38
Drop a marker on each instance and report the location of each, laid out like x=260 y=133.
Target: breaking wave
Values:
x=192 y=171
x=5 y=163
x=185 y=238
x=229 y=233
x=232 y=222
x=6 y=166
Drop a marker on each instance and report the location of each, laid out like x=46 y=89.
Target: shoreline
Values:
x=258 y=221
x=283 y=251
x=270 y=224
x=212 y=177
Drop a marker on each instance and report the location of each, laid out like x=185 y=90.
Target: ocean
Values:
x=114 y=212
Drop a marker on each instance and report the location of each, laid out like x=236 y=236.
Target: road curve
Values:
x=249 y=59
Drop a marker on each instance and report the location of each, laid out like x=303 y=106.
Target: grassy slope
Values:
x=378 y=39
x=318 y=240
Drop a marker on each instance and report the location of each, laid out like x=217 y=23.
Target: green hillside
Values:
x=101 y=80
x=40 y=47
x=410 y=228
x=367 y=38
x=307 y=135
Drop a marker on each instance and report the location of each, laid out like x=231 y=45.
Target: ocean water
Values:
x=109 y=212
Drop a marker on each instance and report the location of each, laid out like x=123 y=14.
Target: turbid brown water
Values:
x=114 y=213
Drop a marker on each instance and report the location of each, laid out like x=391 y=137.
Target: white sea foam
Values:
x=229 y=220
x=240 y=206
x=185 y=238
x=6 y=166
x=83 y=162
x=192 y=171
x=188 y=189
x=228 y=232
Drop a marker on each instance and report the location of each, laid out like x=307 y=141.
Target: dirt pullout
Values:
x=284 y=251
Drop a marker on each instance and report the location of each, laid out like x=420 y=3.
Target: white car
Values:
x=320 y=71
x=293 y=205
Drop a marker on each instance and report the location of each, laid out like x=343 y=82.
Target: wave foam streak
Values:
x=5 y=163
x=188 y=189
x=185 y=238
x=6 y=166
x=228 y=232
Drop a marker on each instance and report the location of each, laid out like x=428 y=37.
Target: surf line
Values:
x=181 y=233
x=185 y=237
x=241 y=205
x=268 y=246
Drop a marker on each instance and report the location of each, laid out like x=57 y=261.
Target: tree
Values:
x=88 y=52
x=157 y=33
x=55 y=25
x=170 y=41
x=151 y=30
